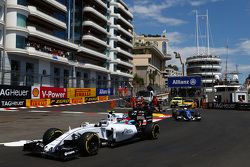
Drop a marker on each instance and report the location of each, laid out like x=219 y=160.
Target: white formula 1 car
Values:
x=86 y=139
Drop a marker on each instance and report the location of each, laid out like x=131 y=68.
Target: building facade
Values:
x=2 y=35
x=206 y=66
x=150 y=56
x=170 y=72
x=67 y=43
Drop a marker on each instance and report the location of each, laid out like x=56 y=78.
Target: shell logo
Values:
x=35 y=92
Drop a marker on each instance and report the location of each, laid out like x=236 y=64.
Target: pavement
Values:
x=221 y=139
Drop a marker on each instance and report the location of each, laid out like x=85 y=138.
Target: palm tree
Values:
x=152 y=76
x=138 y=81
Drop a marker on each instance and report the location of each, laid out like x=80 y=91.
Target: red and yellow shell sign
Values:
x=35 y=92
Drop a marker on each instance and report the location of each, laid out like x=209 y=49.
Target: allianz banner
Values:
x=187 y=81
x=15 y=92
x=104 y=91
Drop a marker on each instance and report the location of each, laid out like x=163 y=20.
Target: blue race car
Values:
x=185 y=114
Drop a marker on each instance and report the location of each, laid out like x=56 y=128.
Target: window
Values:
x=1 y=37
x=15 y=73
x=22 y=2
x=78 y=79
x=20 y=42
x=164 y=47
x=60 y=34
x=86 y=80
x=56 y=77
x=29 y=74
x=1 y=13
x=66 y=78
x=21 y=20
x=62 y=2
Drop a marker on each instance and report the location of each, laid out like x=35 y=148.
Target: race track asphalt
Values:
x=221 y=139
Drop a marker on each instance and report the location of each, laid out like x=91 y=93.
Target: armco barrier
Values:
x=243 y=106
x=228 y=106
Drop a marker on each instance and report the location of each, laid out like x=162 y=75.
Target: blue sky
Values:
x=229 y=21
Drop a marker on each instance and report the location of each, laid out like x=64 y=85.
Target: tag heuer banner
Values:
x=15 y=92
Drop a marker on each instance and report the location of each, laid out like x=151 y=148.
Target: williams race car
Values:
x=87 y=139
x=185 y=114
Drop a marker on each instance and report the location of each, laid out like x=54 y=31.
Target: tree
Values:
x=137 y=81
x=173 y=67
x=152 y=76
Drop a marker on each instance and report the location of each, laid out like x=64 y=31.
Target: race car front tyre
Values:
x=89 y=144
x=51 y=134
x=151 y=131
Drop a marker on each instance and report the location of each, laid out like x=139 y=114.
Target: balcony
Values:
x=203 y=58
x=204 y=66
x=2 y=23
x=92 y=67
x=205 y=73
x=33 y=32
x=125 y=31
x=119 y=61
x=123 y=74
x=47 y=18
x=17 y=51
x=125 y=21
x=118 y=16
x=46 y=56
x=22 y=8
x=94 y=25
x=125 y=42
x=118 y=49
x=93 y=53
x=120 y=6
x=100 y=2
x=92 y=38
x=23 y=30
x=95 y=12
x=57 y=5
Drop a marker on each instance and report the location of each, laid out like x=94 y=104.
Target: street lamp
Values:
x=178 y=56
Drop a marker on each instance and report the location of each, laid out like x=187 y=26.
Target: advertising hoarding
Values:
x=81 y=92
x=188 y=81
x=52 y=93
x=15 y=92
x=104 y=91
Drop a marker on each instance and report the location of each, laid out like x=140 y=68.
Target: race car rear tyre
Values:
x=151 y=131
x=89 y=144
x=51 y=134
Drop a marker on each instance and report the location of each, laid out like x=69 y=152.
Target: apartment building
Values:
x=68 y=43
x=171 y=72
x=150 y=56
x=2 y=32
x=121 y=42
